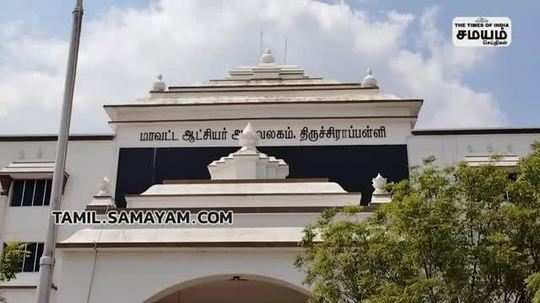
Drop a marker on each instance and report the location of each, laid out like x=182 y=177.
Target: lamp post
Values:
x=47 y=260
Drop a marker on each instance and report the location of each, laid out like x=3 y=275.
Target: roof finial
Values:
x=102 y=200
x=159 y=85
x=248 y=138
x=380 y=194
x=267 y=57
x=104 y=187
x=370 y=81
x=379 y=184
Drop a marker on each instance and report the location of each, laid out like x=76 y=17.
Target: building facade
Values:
x=268 y=142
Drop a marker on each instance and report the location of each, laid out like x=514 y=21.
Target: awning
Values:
x=26 y=170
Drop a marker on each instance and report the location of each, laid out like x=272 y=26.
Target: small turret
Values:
x=267 y=57
x=248 y=162
x=159 y=85
x=248 y=138
x=380 y=194
x=102 y=201
x=370 y=81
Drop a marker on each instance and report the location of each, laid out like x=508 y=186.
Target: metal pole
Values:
x=285 y=52
x=47 y=260
x=261 y=44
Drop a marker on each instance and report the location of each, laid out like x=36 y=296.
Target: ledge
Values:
x=24 y=287
x=44 y=138
x=475 y=131
x=23 y=169
x=185 y=237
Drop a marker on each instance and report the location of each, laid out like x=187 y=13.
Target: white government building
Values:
x=268 y=142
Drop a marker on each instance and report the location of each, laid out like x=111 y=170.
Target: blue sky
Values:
x=504 y=79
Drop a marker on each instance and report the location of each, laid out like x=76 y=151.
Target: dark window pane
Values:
x=352 y=167
x=16 y=196
x=28 y=192
x=39 y=192
x=38 y=256
x=29 y=259
x=47 y=192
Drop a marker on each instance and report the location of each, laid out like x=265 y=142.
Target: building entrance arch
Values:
x=232 y=288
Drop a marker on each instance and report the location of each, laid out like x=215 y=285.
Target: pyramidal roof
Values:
x=267 y=72
x=265 y=83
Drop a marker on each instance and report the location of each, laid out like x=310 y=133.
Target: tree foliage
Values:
x=533 y=285
x=11 y=262
x=458 y=234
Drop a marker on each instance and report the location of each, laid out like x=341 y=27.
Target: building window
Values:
x=30 y=262
x=31 y=192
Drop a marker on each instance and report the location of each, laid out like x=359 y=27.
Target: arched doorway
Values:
x=233 y=288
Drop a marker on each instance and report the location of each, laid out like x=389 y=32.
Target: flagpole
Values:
x=47 y=260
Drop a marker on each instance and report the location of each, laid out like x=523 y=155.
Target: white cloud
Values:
x=191 y=41
x=438 y=77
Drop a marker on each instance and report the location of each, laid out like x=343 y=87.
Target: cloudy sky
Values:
x=126 y=43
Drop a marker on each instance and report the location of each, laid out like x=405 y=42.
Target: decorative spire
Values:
x=104 y=188
x=159 y=85
x=102 y=200
x=370 y=81
x=248 y=138
x=378 y=184
x=380 y=195
x=267 y=57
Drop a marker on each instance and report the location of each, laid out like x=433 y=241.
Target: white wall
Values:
x=451 y=149
x=136 y=275
x=87 y=163
x=145 y=273
x=18 y=295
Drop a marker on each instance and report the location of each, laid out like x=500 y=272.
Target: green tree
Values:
x=458 y=234
x=533 y=284
x=11 y=262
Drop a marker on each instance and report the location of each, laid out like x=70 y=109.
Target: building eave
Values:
x=185 y=237
x=51 y=137
x=475 y=131
x=261 y=109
